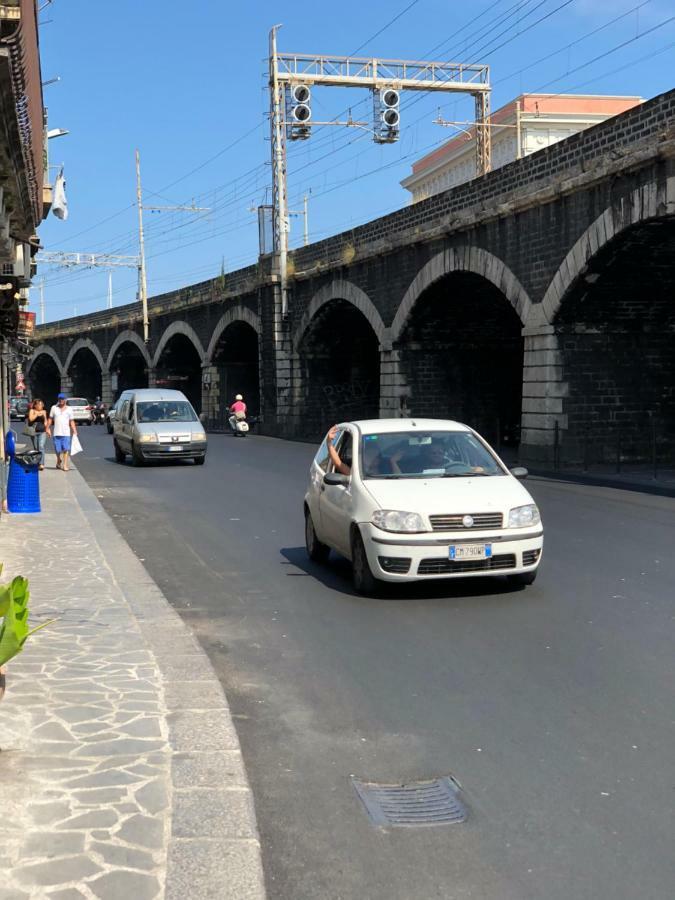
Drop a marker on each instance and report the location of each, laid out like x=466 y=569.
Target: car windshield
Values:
x=77 y=401
x=165 y=411
x=430 y=454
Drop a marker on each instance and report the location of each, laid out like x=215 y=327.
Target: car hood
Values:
x=434 y=496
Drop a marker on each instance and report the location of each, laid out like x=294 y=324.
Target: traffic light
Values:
x=387 y=115
x=299 y=113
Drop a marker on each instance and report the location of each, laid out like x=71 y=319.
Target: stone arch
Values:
x=236 y=314
x=130 y=337
x=46 y=350
x=640 y=205
x=341 y=290
x=178 y=328
x=464 y=259
x=84 y=344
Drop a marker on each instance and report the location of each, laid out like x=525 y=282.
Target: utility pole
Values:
x=279 y=196
x=110 y=291
x=305 y=212
x=142 y=279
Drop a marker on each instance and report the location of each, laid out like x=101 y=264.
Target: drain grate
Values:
x=418 y=803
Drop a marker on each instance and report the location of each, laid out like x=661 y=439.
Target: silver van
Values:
x=153 y=423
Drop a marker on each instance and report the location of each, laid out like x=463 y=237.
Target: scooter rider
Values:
x=238 y=410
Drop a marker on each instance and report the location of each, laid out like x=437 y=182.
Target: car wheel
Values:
x=522 y=579
x=364 y=580
x=316 y=551
x=136 y=457
x=109 y=427
x=120 y=455
x=200 y=460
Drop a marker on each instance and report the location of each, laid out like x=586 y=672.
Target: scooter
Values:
x=98 y=415
x=240 y=428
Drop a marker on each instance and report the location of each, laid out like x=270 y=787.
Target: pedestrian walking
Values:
x=63 y=428
x=37 y=427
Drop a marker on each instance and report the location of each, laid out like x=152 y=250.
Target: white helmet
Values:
x=238 y=397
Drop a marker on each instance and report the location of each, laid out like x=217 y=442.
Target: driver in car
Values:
x=374 y=463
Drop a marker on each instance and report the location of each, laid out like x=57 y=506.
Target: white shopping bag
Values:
x=75 y=445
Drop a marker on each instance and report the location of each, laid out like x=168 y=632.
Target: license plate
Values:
x=174 y=449
x=471 y=551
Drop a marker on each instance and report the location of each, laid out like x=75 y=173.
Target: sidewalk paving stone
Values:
x=119 y=762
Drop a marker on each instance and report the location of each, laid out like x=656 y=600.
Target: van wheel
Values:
x=364 y=580
x=316 y=551
x=136 y=457
x=109 y=427
x=522 y=579
x=120 y=455
x=200 y=460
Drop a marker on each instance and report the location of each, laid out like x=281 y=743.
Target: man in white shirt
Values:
x=63 y=427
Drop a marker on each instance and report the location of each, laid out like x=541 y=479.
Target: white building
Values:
x=529 y=123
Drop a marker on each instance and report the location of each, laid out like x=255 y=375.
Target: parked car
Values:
x=81 y=408
x=18 y=407
x=114 y=409
x=423 y=498
x=153 y=423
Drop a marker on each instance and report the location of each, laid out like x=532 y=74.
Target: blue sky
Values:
x=186 y=84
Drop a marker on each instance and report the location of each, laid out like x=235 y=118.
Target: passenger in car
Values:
x=374 y=463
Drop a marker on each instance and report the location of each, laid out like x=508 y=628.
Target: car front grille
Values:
x=444 y=566
x=455 y=523
x=530 y=557
x=397 y=565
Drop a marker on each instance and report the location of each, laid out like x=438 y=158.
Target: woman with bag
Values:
x=37 y=428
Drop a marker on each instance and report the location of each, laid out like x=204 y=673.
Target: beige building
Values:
x=529 y=123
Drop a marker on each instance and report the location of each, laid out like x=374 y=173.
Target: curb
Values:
x=214 y=847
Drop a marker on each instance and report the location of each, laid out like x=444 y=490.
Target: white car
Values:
x=417 y=499
x=81 y=409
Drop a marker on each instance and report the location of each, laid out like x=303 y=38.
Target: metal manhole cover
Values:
x=418 y=803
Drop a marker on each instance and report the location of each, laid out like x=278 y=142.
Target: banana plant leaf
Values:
x=14 y=630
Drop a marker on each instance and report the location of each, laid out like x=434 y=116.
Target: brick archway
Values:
x=341 y=290
x=128 y=337
x=45 y=350
x=236 y=314
x=84 y=344
x=174 y=329
x=474 y=260
x=642 y=204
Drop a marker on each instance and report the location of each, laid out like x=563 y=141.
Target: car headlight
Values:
x=198 y=435
x=395 y=520
x=148 y=439
x=522 y=516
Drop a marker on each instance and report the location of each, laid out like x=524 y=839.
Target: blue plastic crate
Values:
x=23 y=488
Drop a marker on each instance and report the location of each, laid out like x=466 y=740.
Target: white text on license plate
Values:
x=471 y=551
x=174 y=449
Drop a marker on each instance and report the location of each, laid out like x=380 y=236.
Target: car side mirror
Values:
x=519 y=472
x=336 y=478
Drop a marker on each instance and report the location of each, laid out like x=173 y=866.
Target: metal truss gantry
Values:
x=289 y=69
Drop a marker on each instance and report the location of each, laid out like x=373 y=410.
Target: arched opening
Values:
x=44 y=379
x=461 y=355
x=616 y=334
x=236 y=358
x=340 y=368
x=128 y=369
x=180 y=367
x=85 y=373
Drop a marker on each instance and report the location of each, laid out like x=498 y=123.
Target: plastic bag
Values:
x=75 y=445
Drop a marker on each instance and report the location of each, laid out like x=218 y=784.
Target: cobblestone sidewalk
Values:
x=120 y=770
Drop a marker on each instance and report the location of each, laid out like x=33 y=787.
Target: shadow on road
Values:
x=337 y=574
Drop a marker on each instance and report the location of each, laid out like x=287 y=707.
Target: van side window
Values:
x=124 y=410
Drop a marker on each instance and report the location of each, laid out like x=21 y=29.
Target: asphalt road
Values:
x=553 y=706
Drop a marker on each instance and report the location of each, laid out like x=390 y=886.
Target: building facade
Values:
x=529 y=123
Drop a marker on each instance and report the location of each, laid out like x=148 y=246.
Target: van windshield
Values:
x=165 y=411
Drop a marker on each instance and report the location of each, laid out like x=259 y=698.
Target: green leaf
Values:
x=14 y=628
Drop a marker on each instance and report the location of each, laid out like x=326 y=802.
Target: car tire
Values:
x=522 y=579
x=136 y=457
x=120 y=455
x=110 y=430
x=363 y=579
x=316 y=551
x=200 y=460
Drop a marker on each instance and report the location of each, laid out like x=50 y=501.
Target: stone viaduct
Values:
x=536 y=303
